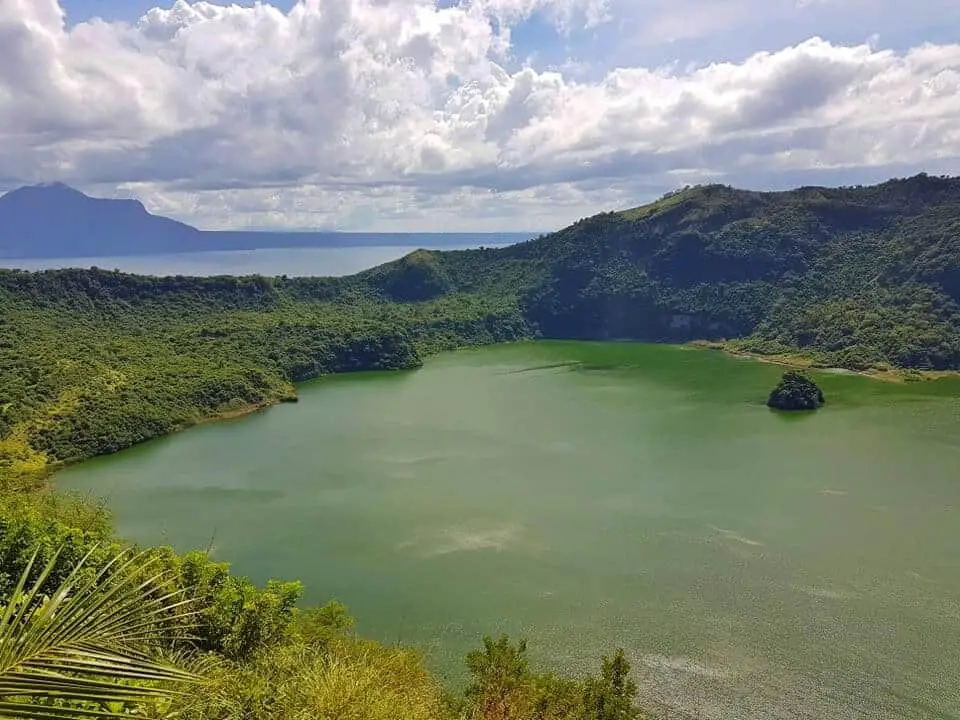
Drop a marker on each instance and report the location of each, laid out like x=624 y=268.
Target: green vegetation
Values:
x=89 y=643
x=795 y=392
x=856 y=277
x=504 y=688
x=89 y=630
x=95 y=361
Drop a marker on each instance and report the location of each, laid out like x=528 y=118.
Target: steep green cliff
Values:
x=859 y=276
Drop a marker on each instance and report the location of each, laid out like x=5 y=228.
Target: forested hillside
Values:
x=93 y=361
x=856 y=276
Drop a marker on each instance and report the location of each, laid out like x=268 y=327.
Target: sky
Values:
x=468 y=115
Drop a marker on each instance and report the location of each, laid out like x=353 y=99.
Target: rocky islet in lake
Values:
x=795 y=391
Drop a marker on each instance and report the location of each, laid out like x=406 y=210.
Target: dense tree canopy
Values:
x=857 y=276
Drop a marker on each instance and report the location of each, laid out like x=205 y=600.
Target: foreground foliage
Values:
x=85 y=645
x=321 y=671
x=505 y=688
x=84 y=634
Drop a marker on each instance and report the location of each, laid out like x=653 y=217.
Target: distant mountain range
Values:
x=55 y=220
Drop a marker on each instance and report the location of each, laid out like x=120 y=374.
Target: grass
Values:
x=346 y=678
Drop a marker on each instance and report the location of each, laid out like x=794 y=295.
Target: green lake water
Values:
x=588 y=496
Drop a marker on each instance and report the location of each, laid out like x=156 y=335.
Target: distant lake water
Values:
x=271 y=262
x=754 y=565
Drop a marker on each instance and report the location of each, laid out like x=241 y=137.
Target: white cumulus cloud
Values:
x=406 y=114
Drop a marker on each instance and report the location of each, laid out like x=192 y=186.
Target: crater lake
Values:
x=587 y=496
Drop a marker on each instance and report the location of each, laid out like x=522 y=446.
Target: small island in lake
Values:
x=795 y=392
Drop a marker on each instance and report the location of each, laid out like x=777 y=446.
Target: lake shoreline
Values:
x=800 y=361
x=382 y=487
x=42 y=479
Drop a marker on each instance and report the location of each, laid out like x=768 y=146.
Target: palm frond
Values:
x=90 y=639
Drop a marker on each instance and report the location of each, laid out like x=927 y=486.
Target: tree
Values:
x=87 y=646
x=611 y=696
x=501 y=679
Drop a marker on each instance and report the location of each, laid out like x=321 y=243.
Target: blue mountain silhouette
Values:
x=55 y=220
